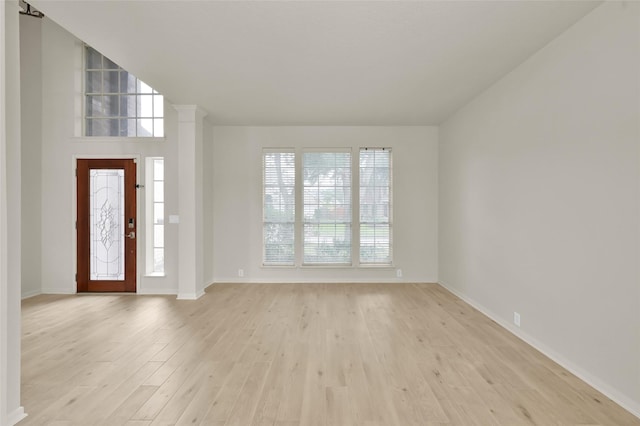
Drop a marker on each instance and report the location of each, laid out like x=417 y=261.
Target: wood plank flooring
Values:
x=291 y=354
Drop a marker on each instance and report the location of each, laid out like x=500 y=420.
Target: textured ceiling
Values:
x=317 y=63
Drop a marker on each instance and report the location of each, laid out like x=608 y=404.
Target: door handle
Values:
x=131 y=235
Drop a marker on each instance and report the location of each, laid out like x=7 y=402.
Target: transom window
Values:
x=117 y=103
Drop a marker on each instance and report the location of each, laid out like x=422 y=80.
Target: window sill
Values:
x=331 y=266
x=155 y=275
x=377 y=266
x=112 y=139
x=278 y=266
x=327 y=266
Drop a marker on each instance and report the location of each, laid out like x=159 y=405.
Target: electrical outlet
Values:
x=241 y=273
x=399 y=273
x=516 y=319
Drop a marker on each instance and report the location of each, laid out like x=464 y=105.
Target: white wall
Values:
x=61 y=71
x=10 y=254
x=237 y=200
x=540 y=200
x=31 y=130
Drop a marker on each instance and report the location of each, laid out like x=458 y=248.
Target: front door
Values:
x=107 y=225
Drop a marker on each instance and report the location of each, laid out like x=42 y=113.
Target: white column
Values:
x=10 y=280
x=190 y=184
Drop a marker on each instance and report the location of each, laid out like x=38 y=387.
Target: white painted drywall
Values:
x=10 y=254
x=540 y=203
x=237 y=200
x=61 y=69
x=31 y=129
x=4 y=282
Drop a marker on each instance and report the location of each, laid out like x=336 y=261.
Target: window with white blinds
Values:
x=327 y=207
x=375 y=206
x=279 y=181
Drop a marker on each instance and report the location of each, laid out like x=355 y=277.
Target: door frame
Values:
x=140 y=228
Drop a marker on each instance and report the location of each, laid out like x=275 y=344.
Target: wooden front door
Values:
x=106 y=225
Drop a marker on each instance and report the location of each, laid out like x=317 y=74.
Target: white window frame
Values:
x=302 y=223
x=389 y=223
x=151 y=203
x=355 y=261
x=265 y=152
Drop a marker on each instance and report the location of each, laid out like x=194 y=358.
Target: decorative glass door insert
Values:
x=106 y=198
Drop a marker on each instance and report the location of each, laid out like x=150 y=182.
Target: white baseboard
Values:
x=236 y=280
x=58 y=291
x=16 y=416
x=156 y=292
x=190 y=296
x=616 y=396
x=31 y=294
x=144 y=292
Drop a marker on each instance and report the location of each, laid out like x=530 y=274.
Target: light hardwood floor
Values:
x=291 y=354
